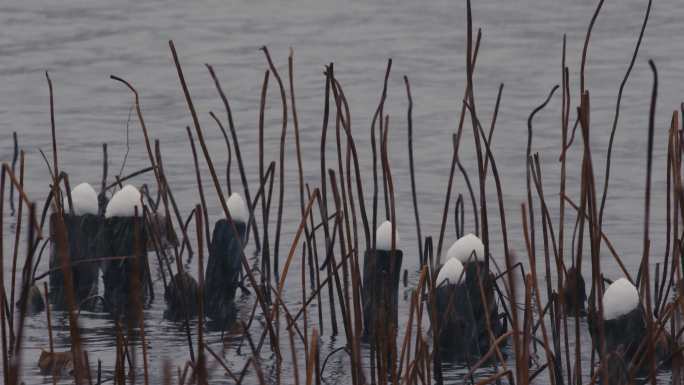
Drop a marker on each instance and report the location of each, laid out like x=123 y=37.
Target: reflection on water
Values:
x=81 y=43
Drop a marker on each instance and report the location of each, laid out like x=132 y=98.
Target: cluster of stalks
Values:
x=328 y=246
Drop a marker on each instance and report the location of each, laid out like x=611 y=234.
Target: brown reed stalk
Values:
x=238 y=155
x=47 y=313
x=478 y=147
x=617 y=109
x=62 y=253
x=281 y=178
x=222 y=363
x=103 y=185
x=548 y=232
x=352 y=155
x=228 y=149
x=158 y=175
x=528 y=177
x=338 y=92
x=15 y=155
x=17 y=235
x=15 y=367
x=55 y=166
x=550 y=359
x=200 y=189
x=409 y=118
x=324 y=183
x=201 y=369
x=378 y=116
x=586 y=44
x=265 y=252
x=127 y=177
x=672 y=167
x=295 y=122
x=511 y=287
x=343 y=206
x=455 y=161
x=647 y=216
x=313 y=264
x=3 y=294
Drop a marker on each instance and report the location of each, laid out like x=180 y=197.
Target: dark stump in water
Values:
x=126 y=270
x=381 y=271
x=35 y=303
x=623 y=336
x=82 y=232
x=574 y=293
x=222 y=277
x=458 y=334
x=465 y=321
x=181 y=297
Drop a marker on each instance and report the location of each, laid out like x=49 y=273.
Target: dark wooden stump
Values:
x=82 y=234
x=465 y=321
x=126 y=272
x=381 y=271
x=222 y=277
x=181 y=297
x=574 y=293
x=35 y=303
x=458 y=332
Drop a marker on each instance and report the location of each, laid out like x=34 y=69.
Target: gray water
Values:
x=82 y=42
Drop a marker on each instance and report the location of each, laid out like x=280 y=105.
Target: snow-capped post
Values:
x=452 y=307
x=123 y=228
x=82 y=227
x=465 y=320
x=381 y=273
x=224 y=265
x=624 y=330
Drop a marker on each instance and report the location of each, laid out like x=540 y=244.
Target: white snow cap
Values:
x=237 y=208
x=620 y=298
x=383 y=237
x=124 y=203
x=452 y=271
x=84 y=199
x=463 y=248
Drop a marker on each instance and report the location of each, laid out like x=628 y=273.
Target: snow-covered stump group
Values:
x=381 y=272
x=82 y=228
x=465 y=304
x=222 y=276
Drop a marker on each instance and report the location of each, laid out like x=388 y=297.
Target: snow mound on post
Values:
x=452 y=272
x=84 y=199
x=383 y=237
x=463 y=249
x=124 y=203
x=620 y=298
x=237 y=208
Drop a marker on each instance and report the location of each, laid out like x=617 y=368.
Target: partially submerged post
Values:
x=121 y=243
x=82 y=226
x=574 y=293
x=381 y=271
x=452 y=308
x=465 y=300
x=624 y=328
x=181 y=297
x=224 y=265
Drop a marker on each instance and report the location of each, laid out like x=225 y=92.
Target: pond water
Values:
x=82 y=42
